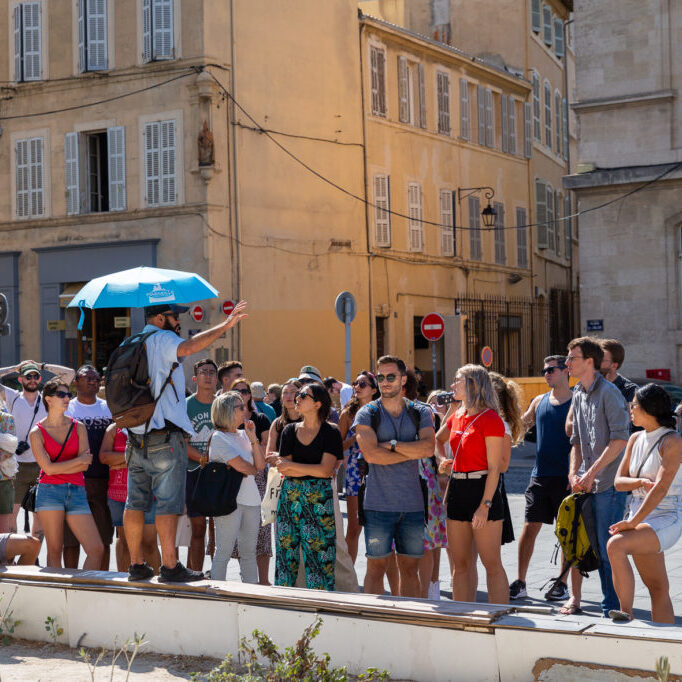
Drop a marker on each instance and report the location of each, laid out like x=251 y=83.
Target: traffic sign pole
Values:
x=433 y=362
x=348 y=317
x=433 y=328
x=345 y=309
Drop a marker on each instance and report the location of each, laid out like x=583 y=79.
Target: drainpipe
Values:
x=568 y=172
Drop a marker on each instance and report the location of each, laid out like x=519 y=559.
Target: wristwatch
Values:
x=488 y=503
x=394 y=442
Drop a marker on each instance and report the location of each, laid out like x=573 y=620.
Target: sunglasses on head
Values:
x=63 y=394
x=387 y=377
x=550 y=370
x=34 y=376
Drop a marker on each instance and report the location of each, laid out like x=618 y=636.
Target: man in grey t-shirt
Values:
x=394 y=503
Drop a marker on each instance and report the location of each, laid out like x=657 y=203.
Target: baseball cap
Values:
x=257 y=390
x=152 y=310
x=311 y=373
x=28 y=368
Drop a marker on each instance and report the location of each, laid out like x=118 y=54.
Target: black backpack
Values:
x=127 y=385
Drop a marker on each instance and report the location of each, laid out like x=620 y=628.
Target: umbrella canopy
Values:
x=142 y=287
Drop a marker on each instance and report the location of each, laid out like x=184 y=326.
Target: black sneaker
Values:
x=558 y=591
x=179 y=574
x=517 y=590
x=140 y=571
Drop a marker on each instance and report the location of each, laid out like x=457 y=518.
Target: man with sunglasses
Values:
x=394 y=502
x=157 y=451
x=549 y=478
x=27 y=409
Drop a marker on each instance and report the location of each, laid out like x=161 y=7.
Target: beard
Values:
x=391 y=392
x=168 y=326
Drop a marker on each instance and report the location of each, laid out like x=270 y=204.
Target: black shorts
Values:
x=465 y=496
x=543 y=498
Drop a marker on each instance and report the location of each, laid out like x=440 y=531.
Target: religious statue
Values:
x=205 y=140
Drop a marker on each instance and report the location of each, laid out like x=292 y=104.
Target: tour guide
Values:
x=156 y=467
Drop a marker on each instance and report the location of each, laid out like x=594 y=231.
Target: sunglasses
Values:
x=174 y=315
x=550 y=370
x=63 y=394
x=361 y=384
x=302 y=395
x=32 y=377
x=243 y=391
x=386 y=377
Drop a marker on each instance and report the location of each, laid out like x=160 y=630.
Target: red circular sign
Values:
x=487 y=356
x=433 y=326
x=197 y=313
x=228 y=307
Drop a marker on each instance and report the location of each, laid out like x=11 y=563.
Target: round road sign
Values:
x=487 y=356
x=228 y=307
x=433 y=326
x=345 y=307
x=197 y=313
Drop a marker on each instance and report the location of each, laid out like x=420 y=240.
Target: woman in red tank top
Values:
x=60 y=446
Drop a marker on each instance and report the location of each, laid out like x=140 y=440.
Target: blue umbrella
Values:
x=141 y=287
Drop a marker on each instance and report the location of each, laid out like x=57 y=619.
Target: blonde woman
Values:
x=475 y=507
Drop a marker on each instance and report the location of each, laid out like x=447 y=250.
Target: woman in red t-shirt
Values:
x=474 y=503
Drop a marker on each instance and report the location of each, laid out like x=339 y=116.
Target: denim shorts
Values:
x=159 y=473
x=116 y=508
x=382 y=528
x=66 y=497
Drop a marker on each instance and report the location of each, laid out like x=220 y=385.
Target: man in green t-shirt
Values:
x=199 y=413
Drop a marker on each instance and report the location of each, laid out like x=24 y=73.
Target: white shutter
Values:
x=403 y=91
x=475 y=252
x=489 y=119
x=443 y=87
x=414 y=202
x=480 y=100
x=82 y=57
x=96 y=33
x=535 y=16
x=568 y=225
x=541 y=213
x=547 y=24
x=422 y=96
x=521 y=240
x=152 y=169
x=548 y=115
x=558 y=133
x=447 y=242
x=72 y=173
x=500 y=246
x=36 y=175
x=464 y=110
x=559 y=38
x=168 y=163
x=116 y=146
x=31 y=41
x=162 y=24
x=564 y=125
x=18 y=51
x=382 y=217
x=22 y=181
x=146 y=30
x=536 y=107
x=527 y=130
x=511 y=112
x=505 y=124
x=558 y=202
x=550 y=218
x=378 y=69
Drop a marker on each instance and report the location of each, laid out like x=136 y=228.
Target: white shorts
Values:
x=665 y=520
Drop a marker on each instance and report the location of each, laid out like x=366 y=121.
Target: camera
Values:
x=22 y=446
x=445 y=398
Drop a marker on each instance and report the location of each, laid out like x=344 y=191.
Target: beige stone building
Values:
x=628 y=84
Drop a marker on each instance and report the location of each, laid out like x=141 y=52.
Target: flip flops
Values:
x=618 y=616
x=570 y=609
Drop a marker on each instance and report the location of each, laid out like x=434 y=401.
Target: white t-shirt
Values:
x=345 y=394
x=23 y=414
x=226 y=446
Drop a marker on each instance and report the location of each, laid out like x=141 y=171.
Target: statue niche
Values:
x=205 y=141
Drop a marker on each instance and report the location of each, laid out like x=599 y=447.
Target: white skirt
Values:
x=665 y=520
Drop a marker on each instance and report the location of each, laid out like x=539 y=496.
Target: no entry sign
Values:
x=197 y=313
x=228 y=307
x=433 y=326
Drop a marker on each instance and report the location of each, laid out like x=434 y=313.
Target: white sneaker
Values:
x=434 y=591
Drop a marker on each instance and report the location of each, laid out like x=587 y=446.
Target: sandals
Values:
x=618 y=616
x=570 y=608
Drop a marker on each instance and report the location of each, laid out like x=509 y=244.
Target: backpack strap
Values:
x=375 y=414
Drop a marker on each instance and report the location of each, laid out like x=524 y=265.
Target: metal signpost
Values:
x=433 y=327
x=345 y=309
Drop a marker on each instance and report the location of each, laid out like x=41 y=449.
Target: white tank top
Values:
x=650 y=469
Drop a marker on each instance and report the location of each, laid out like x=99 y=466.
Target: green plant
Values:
x=662 y=669
x=53 y=628
x=7 y=622
x=129 y=649
x=298 y=662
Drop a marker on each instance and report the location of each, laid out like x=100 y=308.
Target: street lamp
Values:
x=489 y=214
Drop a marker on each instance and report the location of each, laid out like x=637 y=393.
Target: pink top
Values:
x=118 y=478
x=52 y=448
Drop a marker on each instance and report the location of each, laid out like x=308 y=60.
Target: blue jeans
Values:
x=383 y=528
x=609 y=507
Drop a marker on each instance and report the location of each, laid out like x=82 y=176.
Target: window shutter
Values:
x=527 y=131
x=500 y=246
x=536 y=107
x=521 y=239
x=447 y=244
x=541 y=213
x=548 y=115
x=550 y=218
x=558 y=134
x=116 y=145
x=168 y=163
x=535 y=16
x=453 y=203
x=464 y=111
x=18 y=50
x=505 y=124
x=511 y=108
x=475 y=252
x=82 y=62
x=480 y=99
x=547 y=24
x=22 y=182
x=146 y=30
x=162 y=24
x=36 y=175
x=403 y=91
x=559 y=38
x=558 y=205
x=568 y=229
x=378 y=68
x=422 y=97
x=152 y=170
x=564 y=125
x=31 y=41
x=72 y=173
x=414 y=202
x=96 y=34
x=382 y=217
x=443 y=82
x=489 y=119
